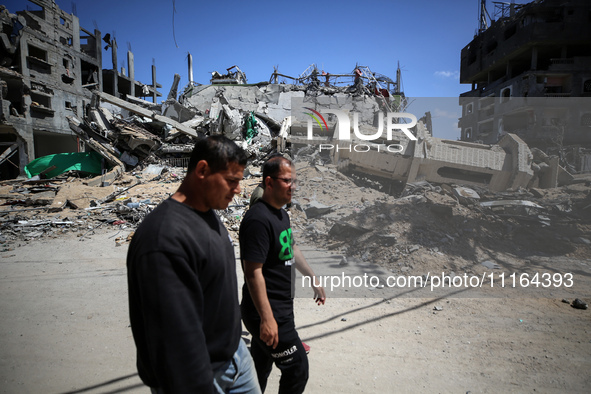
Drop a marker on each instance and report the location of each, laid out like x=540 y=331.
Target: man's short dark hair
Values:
x=217 y=151
x=272 y=167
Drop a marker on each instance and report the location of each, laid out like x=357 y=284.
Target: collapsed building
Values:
x=276 y=109
x=287 y=113
x=354 y=123
x=49 y=67
x=529 y=67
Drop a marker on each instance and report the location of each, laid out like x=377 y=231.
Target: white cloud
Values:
x=448 y=74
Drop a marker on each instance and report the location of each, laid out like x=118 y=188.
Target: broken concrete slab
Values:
x=118 y=166
x=343 y=230
x=315 y=209
x=232 y=122
x=176 y=111
x=42 y=198
x=507 y=203
x=144 y=112
x=465 y=195
x=78 y=196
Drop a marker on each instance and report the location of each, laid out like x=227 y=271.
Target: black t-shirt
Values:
x=266 y=237
x=183 y=298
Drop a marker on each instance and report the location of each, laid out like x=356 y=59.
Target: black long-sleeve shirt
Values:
x=183 y=298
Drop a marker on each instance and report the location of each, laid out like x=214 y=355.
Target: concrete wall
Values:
x=496 y=167
x=49 y=75
x=275 y=100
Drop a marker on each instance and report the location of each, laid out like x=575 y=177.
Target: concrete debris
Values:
x=465 y=194
x=234 y=75
x=362 y=224
x=490 y=264
x=68 y=205
x=435 y=230
x=174 y=110
x=434 y=197
x=503 y=204
x=50 y=67
x=344 y=231
x=579 y=304
x=402 y=199
x=315 y=209
x=264 y=118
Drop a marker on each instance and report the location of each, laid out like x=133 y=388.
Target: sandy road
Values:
x=65 y=329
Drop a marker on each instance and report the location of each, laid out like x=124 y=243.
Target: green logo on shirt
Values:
x=286 y=242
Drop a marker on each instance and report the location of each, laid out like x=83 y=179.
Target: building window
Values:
x=464 y=175
x=40 y=102
x=66 y=41
x=505 y=95
x=469 y=109
x=37 y=60
x=510 y=32
x=491 y=46
x=37 y=53
x=36 y=10
x=469 y=133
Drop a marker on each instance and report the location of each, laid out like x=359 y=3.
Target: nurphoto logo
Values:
x=393 y=121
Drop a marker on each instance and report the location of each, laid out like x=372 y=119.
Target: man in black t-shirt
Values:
x=269 y=257
x=182 y=276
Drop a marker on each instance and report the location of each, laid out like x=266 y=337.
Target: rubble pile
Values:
x=430 y=227
x=134 y=141
x=426 y=228
x=33 y=210
x=419 y=226
x=130 y=135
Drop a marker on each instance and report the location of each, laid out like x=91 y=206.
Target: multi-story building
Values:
x=530 y=71
x=49 y=66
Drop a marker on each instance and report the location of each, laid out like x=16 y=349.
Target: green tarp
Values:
x=89 y=162
x=251 y=130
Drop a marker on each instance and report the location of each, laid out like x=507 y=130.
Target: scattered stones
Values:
x=579 y=304
x=490 y=264
x=413 y=248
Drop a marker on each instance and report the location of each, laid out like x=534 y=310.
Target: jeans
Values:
x=237 y=376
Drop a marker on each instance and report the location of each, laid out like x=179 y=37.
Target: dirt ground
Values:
x=65 y=326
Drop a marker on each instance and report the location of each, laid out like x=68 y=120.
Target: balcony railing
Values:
x=562 y=61
x=556 y=94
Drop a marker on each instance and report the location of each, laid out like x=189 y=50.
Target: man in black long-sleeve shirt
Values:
x=183 y=294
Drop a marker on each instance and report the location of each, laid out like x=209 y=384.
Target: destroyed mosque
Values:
x=59 y=105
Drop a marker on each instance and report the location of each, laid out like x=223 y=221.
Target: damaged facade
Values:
x=530 y=72
x=438 y=181
x=266 y=117
x=262 y=117
x=277 y=110
x=49 y=66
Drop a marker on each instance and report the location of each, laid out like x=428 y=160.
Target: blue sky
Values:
x=424 y=36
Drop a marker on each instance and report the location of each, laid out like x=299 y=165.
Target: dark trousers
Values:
x=289 y=355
